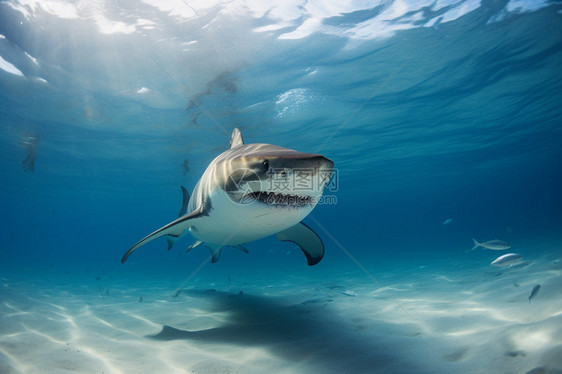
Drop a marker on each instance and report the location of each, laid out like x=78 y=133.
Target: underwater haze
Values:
x=444 y=123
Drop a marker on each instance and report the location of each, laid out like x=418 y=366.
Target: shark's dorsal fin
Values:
x=236 y=139
x=183 y=211
x=174 y=229
x=307 y=239
x=185 y=201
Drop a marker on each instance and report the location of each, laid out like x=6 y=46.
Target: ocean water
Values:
x=443 y=119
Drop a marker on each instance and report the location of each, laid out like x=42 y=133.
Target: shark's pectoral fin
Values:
x=307 y=239
x=173 y=229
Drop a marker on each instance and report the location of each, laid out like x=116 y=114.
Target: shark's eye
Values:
x=266 y=165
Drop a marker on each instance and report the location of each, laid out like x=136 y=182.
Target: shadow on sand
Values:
x=308 y=334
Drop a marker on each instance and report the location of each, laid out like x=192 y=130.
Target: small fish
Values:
x=349 y=293
x=534 y=292
x=507 y=260
x=447 y=221
x=495 y=245
x=140 y=299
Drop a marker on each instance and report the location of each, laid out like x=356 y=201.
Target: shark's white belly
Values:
x=231 y=223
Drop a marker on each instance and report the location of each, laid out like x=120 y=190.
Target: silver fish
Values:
x=534 y=292
x=495 y=245
x=507 y=260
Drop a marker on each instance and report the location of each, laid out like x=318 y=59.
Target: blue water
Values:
x=429 y=111
x=460 y=120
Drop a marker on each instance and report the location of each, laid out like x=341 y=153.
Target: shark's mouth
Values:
x=279 y=199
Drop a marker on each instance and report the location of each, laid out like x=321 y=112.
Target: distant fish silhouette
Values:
x=495 y=245
x=447 y=221
x=534 y=292
x=29 y=143
x=507 y=260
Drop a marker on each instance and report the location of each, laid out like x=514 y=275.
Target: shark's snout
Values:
x=300 y=160
x=285 y=178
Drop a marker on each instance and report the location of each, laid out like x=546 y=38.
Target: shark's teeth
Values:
x=279 y=199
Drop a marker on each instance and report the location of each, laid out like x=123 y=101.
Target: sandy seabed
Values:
x=426 y=319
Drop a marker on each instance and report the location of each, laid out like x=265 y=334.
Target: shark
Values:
x=249 y=192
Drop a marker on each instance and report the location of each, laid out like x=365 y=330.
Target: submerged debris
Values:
x=225 y=82
x=515 y=353
x=29 y=143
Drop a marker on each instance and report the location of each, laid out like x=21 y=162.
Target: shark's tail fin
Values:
x=476 y=244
